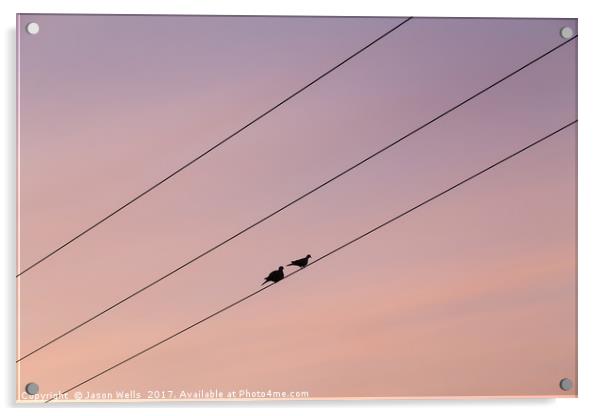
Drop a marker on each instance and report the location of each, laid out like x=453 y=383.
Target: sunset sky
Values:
x=473 y=294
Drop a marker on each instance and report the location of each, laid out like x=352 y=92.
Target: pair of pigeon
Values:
x=278 y=275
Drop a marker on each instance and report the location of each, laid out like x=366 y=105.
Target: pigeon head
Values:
x=280 y=268
x=308 y=256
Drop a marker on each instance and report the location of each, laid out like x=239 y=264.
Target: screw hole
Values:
x=32 y=388
x=32 y=28
x=566 y=32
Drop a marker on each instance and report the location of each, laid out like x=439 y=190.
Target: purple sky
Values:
x=471 y=295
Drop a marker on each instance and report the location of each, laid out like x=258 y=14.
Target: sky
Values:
x=473 y=294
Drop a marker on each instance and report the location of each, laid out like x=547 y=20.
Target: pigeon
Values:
x=275 y=276
x=300 y=262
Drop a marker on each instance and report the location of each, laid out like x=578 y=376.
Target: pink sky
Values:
x=473 y=294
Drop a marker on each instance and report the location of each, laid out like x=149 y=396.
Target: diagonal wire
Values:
x=324 y=256
x=361 y=162
x=180 y=169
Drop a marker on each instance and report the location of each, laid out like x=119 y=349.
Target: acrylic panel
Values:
x=295 y=208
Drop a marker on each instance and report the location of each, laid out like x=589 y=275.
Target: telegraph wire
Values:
x=341 y=247
x=165 y=276
x=180 y=169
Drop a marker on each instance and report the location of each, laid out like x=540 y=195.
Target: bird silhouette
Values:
x=275 y=276
x=300 y=262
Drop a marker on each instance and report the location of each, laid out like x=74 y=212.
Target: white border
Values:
x=590 y=206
